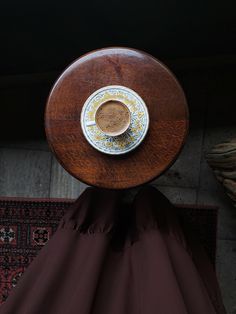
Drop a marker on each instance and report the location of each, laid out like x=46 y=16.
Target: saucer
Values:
x=115 y=145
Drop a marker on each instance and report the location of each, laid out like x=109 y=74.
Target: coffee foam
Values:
x=113 y=117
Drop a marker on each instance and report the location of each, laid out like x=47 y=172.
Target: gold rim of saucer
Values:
x=124 y=129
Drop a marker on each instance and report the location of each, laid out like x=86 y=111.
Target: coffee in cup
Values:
x=113 y=117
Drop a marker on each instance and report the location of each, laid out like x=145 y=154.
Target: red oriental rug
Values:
x=26 y=225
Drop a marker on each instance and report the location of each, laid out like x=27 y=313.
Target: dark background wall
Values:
x=40 y=38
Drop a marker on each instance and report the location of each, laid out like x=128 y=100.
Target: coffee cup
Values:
x=112 y=117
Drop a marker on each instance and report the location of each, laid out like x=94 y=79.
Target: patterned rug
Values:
x=26 y=225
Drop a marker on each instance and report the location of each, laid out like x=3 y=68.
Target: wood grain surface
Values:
x=153 y=82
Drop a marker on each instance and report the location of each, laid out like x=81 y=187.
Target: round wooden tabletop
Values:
x=153 y=82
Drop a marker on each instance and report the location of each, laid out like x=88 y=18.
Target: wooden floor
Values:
x=28 y=169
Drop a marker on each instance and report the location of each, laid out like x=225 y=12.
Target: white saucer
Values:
x=126 y=142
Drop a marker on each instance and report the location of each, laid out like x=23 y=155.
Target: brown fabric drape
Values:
x=108 y=257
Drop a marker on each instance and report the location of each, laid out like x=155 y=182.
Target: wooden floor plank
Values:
x=178 y=195
x=24 y=173
x=63 y=185
x=226 y=257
